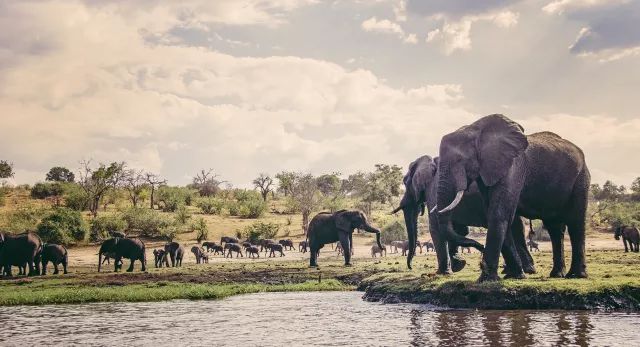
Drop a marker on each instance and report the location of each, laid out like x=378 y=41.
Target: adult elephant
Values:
x=539 y=176
x=20 y=249
x=56 y=254
x=328 y=227
x=132 y=249
x=420 y=191
x=175 y=252
x=630 y=235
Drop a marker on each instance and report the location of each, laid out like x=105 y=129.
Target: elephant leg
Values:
x=44 y=266
x=578 y=267
x=31 y=268
x=517 y=230
x=457 y=261
x=556 y=232
x=512 y=259
x=130 y=269
x=143 y=268
x=55 y=269
x=64 y=267
x=624 y=241
x=344 y=242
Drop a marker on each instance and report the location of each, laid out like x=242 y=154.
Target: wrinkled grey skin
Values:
x=160 y=258
x=302 y=246
x=199 y=253
x=19 y=250
x=629 y=235
x=539 y=176
x=275 y=247
x=421 y=186
x=56 y=254
x=252 y=252
x=175 y=252
x=132 y=249
x=327 y=228
x=228 y=239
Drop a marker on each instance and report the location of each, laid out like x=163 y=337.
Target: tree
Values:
x=608 y=192
x=330 y=184
x=635 y=186
x=134 y=183
x=206 y=183
x=97 y=182
x=305 y=196
x=263 y=183
x=380 y=186
x=60 y=174
x=153 y=181
x=285 y=182
x=6 y=169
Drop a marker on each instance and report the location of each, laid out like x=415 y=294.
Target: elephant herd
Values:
x=27 y=250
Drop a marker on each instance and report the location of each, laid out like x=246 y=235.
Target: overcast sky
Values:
x=249 y=86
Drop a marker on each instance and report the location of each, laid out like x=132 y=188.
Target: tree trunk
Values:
x=305 y=221
x=152 y=191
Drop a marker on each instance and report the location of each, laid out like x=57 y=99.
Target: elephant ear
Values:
x=343 y=221
x=501 y=140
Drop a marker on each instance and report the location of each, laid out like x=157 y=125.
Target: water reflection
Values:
x=310 y=319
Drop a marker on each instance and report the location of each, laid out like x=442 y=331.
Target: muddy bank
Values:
x=497 y=297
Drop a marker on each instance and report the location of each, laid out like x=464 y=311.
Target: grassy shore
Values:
x=614 y=283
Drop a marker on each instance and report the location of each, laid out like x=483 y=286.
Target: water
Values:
x=306 y=319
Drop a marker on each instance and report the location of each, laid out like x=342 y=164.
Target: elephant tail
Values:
x=99 y=260
x=65 y=259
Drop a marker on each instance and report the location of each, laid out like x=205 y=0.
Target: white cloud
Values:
x=560 y=6
x=388 y=27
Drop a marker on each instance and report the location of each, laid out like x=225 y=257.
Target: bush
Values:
x=169 y=232
x=201 y=229
x=101 y=226
x=45 y=190
x=182 y=215
x=252 y=208
x=234 y=208
x=210 y=205
x=172 y=197
x=259 y=230
x=64 y=226
x=146 y=222
x=393 y=231
x=25 y=218
x=75 y=197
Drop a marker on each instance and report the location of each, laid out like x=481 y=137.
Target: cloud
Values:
x=388 y=27
x=611 y=30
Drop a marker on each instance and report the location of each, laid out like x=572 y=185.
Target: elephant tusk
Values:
x=455 y=202
x=434 y=209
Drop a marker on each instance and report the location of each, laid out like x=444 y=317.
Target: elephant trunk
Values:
x=411 y=222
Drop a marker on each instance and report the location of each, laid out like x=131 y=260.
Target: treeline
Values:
x=615 y=205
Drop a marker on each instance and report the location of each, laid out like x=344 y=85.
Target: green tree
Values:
x=48 y=190
x=64 y=226
x=286 y=181
x=263 y=183
x=379 y=186
x=97 y=182
x=305 y=196
x=60 y=174
x=6 y=169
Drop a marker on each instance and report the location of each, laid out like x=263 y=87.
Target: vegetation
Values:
x=6 y=169
x=60 y=174
x=146 y=222
x=64 y=226
x=101 y=226
x=259 y=230
x=393 y=231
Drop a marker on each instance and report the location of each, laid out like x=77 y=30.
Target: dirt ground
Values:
x=86 y=257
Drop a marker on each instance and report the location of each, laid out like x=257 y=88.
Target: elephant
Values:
x=56 y=254
x=204 y=257
x=252 y=251
x=198 y=252
x=20 y=250
x=233 y=247
x=208 y=245
x=629 y=234
x=246 y=244
x=537 y=176
x=396 y=245
x=160 y=258
x=129 y=248
x=302 y=246
x=217 y=249
x=421 y=187
x=533 y=245
x=428 y=245
x=263 y=244
x=287 y=244
x=377 y=250
x=228 y=239
x=175 y=252
x=117 y=234
x=328 y=227
x=275 y=247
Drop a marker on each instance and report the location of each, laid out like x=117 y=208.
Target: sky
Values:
x=251 y=86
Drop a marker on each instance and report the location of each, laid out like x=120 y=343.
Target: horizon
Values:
x=310 y=86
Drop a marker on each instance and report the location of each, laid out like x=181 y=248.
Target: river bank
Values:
x=614 y=283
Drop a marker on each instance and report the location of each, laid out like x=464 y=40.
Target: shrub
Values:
x=146 y=222
x=25 y=218
x=234 y=208
x=64 y=226
x=392 y=232
x=210 y=205
x=171 y=198
x=182 y=215
x=45 y=190
x=102 y=225
x=75 y=197
x=252 y=209
x=259 y=230
x=169 y=232
x=201 y=229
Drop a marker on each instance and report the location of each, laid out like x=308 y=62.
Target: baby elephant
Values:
x=287 y=244
x=56 y=254
x=160 y=258
x=204 y=257
x=233 y=247
x=629 y=235
x=198 y=253
x=217 y=249
x=428 y=245
x=275 y=247
x=532 y=245
x=377 y=250
x=302 y=246
x=252 y=251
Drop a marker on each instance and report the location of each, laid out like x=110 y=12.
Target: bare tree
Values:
x=97 y=182
x=263 y=183
x=153 y=181
x=134 y=183
x=207 y=183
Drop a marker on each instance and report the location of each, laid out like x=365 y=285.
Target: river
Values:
x=306 y=319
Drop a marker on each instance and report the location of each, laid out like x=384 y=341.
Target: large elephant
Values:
x=539 y=176
x=175 y=252
x=17 y=250
x=629 y=234
x=328 y=227
x=129 y=248
x=420 y=189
